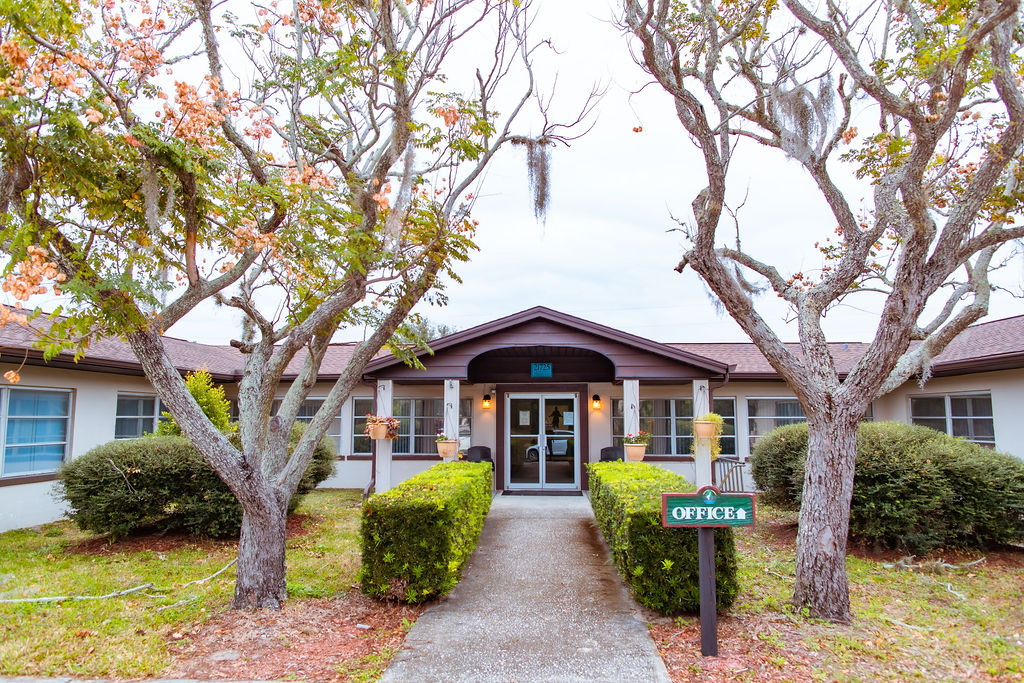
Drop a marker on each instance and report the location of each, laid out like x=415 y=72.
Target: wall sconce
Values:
x=487 y=401
x=596 y=402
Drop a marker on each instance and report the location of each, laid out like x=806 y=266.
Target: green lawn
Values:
x=923 y=622
x=127 y=636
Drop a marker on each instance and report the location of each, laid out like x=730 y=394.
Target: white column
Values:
x=631 y=405
x=451 y=408
x=385 y=404
x=702 y=449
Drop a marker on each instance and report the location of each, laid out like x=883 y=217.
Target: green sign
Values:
x=709 y=507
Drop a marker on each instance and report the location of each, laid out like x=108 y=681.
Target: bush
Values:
x=914 y=489
x=659 y=564
x=210 y=399
x=416 y=537
x=162 y=482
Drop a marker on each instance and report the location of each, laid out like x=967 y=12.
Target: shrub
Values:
x=162 y=482
x=209 y=397
x=914 y=488
x=659 y=564
x=416 y=537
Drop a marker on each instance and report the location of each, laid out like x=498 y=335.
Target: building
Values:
x=545 y=392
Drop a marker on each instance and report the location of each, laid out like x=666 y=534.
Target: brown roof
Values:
x=994 y=345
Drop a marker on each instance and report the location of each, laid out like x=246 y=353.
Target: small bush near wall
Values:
x=162 y=482
x=416 y=537
x=914 y=489
x=659 y=564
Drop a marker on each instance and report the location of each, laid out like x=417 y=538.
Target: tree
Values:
x=332 y=185
x=942 y=81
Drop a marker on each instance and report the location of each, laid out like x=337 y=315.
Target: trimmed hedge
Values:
x=914 y=489
x=659 y=564
x=163 y=483
x=417 y=536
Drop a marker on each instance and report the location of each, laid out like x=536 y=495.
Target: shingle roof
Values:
x=994 y=345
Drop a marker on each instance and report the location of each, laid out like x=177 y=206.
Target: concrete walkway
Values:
x=539 y=600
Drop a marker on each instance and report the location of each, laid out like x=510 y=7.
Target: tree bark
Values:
x=821 y=584
x=260 y=574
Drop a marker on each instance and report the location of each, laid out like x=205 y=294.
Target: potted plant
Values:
x=636 y=445
x=380 y=427
x=709 y=426
x=446 y=446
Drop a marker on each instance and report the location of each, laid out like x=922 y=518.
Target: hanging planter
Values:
x=636 y=445
x=635 y=451
x=447 y=448
x=380 y=427
x=703 y=429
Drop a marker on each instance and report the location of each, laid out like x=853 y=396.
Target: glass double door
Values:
x=541 y=440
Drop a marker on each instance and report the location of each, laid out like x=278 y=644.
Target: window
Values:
x=419 y=421
x=35 y=430
x=306 y=413
x=765 y=414
x=964 y=415
x=136 y=416
x=361 y=407
x=465 y=423
x=669 y=421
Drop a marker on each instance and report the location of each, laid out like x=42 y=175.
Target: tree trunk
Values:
x=821 y=584
x=260 y=577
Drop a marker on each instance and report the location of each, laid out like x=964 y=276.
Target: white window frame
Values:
x=412 y=417
x=337 y=422
x=158 y=407
x=356 y=432
x=673 y=436
x=5 y=394
x=949 y=417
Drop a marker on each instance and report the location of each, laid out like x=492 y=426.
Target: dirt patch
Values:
x=752 y=648
x=314 y=640
x=157 y=542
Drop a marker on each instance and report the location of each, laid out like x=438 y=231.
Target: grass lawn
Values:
x=923 y=621
x=137 y=635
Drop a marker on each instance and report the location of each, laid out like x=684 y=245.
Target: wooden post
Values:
x=451 y=409
x=705 y=536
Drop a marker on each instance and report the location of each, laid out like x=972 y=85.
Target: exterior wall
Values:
x=1006 y=388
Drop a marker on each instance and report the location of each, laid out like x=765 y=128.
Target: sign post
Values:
x=707 y=509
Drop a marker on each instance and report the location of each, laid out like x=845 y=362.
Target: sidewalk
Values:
x=539 y=600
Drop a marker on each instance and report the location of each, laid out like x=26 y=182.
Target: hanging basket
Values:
x=447 y=449
x=378 y=431
x=635 y=451
x=703 y=429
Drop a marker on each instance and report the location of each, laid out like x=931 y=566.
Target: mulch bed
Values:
x=314 y=640
x=159 y=542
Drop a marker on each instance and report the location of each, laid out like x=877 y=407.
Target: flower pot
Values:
x=378 y=432
x=703 y=429
x=447 y=449
x=635 y=451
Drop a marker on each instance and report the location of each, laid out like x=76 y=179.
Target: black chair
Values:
x=729 y=475
x=609 y=453
x=479 y=454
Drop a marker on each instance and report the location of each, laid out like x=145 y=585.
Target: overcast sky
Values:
x=606 y=252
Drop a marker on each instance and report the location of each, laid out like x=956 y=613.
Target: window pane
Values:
x=127 y=428
x=29 y=403
x=928 y=406
x=21 y=431
x=726 y=407
x=938 y=425
x=32 y=459
x=361 y=407
x=465 y=423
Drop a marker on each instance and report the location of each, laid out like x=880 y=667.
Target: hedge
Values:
x=659 y=565
x=417 y=536
x=162 y=483
x=914 y=489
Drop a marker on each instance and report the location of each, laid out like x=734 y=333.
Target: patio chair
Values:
x=729 y=475
x=609 y=453
x=478 y=454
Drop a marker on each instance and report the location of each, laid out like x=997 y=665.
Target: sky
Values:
x=607 y=249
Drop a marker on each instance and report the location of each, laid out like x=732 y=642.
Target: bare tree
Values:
x=330 y=185
x=943 y=83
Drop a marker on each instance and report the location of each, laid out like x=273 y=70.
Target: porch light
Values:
x=487 y=401
x=596 y=402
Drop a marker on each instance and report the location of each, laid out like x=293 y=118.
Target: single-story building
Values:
x=543 y=392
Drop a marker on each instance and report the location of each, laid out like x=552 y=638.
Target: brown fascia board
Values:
x=544 y=313
x=1003 y=361
x=106 y=365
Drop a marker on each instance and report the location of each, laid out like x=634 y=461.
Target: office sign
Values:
x=709 y=507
